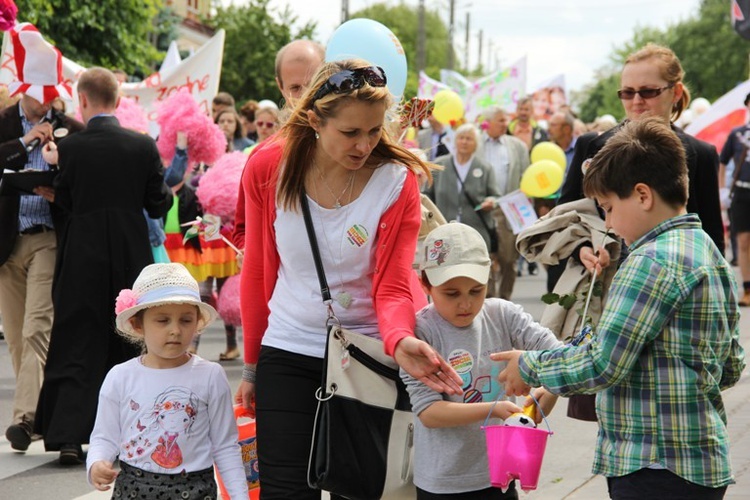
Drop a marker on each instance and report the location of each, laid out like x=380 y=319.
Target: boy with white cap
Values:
x=464 y=327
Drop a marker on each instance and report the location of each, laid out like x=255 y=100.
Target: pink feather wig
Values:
x=219 y=186
x=180 y=112
x=131 y=115
x=8 y=14
x=229 y=301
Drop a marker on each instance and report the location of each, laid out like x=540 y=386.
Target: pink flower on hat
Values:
x=8 y=13
x=125 y=300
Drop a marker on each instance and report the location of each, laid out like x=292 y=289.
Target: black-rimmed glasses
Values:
x=628 y=94
x=349 y=80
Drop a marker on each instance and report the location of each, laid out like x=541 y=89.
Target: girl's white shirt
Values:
x=169 y=420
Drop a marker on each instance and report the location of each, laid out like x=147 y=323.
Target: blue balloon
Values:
x=372 y=41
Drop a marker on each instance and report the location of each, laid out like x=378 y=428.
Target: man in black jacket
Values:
x=108 y=175
x=28 y=226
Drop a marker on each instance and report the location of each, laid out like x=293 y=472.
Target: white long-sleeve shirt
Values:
x=169 y=420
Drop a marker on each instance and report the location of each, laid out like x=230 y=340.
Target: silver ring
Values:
x=438 y=373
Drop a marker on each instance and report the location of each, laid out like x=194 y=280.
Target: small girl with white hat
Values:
x=166 y=414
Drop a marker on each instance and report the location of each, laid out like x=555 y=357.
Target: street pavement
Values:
x=566 y=471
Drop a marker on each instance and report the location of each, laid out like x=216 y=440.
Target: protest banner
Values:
x=548 y=97
x=199 y=73
x=502 y=88
x=518 y=210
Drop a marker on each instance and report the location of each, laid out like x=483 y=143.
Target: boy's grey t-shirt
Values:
x=454 y=459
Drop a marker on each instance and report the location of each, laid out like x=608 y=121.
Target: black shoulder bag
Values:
x=363 y=439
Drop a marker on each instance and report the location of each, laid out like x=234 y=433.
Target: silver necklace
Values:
x=344 y=298
x=348 y=186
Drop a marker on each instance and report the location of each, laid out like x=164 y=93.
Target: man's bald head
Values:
x=296 y=63
x=100 y=86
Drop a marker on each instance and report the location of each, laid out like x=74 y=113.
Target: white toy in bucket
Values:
x=515 y=452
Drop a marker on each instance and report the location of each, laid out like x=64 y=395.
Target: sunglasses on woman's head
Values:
x=628 y=94
x=265 y=124
x=350 y=80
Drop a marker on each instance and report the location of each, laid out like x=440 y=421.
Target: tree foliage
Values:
x=714 y=58
x=601 y=97
x=713 y=55
x=254 y=34
x=108 y=33
x=402 y=19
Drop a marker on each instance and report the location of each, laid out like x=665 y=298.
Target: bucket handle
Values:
x=544 y=417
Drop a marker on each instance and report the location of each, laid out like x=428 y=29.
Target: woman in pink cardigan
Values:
x=365 y=207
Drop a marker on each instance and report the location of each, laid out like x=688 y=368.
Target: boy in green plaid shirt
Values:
x=667 y=342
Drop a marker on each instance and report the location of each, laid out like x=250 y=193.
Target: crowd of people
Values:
x=104 y=342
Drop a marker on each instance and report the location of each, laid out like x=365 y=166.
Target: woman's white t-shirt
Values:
x=346 y=239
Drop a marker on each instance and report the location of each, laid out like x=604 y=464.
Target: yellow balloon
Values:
x=541 y=179
x=448 y=107
x=549 y=151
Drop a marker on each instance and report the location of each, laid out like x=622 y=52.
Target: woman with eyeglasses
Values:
x=650 y=85
x=361 y=187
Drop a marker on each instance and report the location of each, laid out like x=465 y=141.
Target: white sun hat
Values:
x=157 y=285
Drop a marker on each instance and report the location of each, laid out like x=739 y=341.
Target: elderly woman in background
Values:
x=466 y=188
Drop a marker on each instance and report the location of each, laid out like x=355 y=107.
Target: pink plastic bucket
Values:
x=516 y=453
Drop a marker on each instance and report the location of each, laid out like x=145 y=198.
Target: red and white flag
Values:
x=727 y=112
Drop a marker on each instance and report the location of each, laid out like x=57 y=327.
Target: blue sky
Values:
x=572 y=37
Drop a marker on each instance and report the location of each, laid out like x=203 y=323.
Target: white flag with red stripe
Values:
x=727 y=112
x=199 y=73
x=38 y=65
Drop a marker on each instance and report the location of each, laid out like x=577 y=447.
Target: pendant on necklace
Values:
x=345 y=299
x=337 y=205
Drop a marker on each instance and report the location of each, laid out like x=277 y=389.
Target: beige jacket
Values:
x=553 y=238
x=431 y=218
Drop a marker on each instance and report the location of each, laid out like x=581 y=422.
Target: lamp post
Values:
x=466 y=48
x=421 y=63
x=479 y=53
x=344 y=11
x=451 y=28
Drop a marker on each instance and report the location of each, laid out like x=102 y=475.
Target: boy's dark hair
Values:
x=645 y=151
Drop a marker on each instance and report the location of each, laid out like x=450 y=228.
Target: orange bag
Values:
x=249 y=449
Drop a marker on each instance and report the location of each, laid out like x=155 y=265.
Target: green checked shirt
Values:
x=666 y=346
